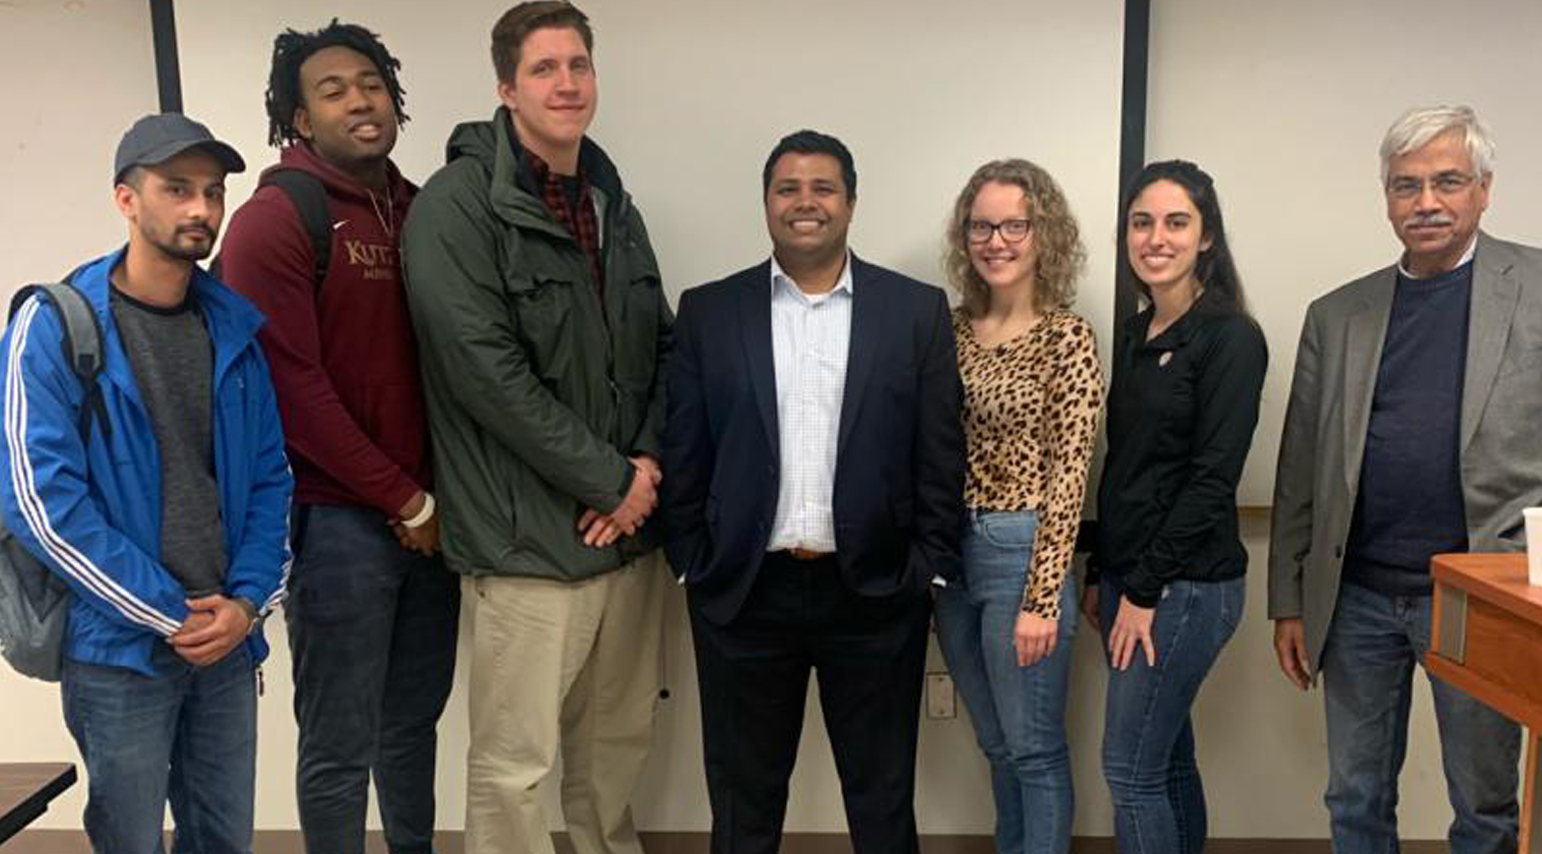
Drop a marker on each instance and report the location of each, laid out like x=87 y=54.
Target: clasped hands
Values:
x=424 y=539
x=214 y=626
x=642 y=497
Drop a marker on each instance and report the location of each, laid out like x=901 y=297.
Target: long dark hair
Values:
x=1215 y=269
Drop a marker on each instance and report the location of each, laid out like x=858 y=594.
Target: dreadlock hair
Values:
x=290 y=50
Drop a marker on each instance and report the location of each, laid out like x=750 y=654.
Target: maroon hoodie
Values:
x=344 y=359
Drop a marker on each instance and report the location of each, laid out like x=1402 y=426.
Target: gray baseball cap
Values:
x=160 y=137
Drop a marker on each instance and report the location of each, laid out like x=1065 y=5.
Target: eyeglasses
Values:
x=1444 y=184
x=1012 y=230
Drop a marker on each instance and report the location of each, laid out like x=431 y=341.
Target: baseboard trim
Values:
x=449 y=842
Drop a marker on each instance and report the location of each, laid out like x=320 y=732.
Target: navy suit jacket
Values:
x=899 y=471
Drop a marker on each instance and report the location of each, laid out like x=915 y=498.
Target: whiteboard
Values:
x=694 y=93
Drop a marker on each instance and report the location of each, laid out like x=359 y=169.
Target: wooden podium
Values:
x=1486 y=638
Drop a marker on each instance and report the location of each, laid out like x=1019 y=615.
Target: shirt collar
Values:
x=1181 y=330
x=1472 y=249
x=781 y=281
x=542 y=172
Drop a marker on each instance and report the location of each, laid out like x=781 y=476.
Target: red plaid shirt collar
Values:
x=583 y=224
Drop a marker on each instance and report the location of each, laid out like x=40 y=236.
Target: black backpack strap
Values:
x=82 y=346
x=310 y=200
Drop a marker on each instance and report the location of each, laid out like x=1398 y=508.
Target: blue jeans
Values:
x=1148 y=734
x=1018 y=712
x=1367 y=668
x=189 y=735
x=372 y=632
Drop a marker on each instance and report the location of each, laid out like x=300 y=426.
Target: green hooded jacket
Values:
x=537 y=390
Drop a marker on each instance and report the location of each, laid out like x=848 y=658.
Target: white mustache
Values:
x=1426 y=221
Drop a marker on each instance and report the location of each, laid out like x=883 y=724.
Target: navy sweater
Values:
x=1410 y=502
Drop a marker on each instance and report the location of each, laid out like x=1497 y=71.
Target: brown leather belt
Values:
x=807 y=554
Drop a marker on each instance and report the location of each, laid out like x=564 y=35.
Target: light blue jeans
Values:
x=1018 y=712
x=1367 y=669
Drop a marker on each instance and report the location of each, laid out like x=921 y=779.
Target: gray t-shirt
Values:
x=173 y=361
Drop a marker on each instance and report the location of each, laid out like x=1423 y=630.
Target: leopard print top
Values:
x=1031 y=409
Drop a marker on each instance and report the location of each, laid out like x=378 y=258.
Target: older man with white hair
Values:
x=1412 y=430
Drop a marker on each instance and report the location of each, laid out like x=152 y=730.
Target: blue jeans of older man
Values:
x=1367 y=668
x=1018 y=712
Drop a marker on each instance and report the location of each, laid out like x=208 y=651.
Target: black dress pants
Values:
x=869 y=656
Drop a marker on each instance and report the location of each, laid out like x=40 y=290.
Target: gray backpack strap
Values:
x=35 y=603
x=82 y=347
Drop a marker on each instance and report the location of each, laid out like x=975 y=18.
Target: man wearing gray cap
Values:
x=166 y=514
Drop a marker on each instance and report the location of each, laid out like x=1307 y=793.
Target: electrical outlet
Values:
x=941 y=698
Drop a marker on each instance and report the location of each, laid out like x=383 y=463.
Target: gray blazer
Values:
x=1323 y=443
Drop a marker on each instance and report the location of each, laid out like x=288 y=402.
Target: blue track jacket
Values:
x=92 y=512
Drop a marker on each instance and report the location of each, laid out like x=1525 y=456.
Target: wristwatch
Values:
x=253 y=616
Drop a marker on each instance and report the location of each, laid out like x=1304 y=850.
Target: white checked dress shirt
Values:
x=810 y=340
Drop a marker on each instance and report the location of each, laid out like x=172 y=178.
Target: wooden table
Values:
x=1486 y=639
x=26 y=789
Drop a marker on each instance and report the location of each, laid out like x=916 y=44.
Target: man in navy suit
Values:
x=812 y=495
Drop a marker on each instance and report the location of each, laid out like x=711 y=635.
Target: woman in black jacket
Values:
x=1187 y=373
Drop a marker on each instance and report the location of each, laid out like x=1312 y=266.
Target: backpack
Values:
x=35 y=603
x=310 y=201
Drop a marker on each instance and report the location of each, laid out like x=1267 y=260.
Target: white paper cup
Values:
x=1533 y=545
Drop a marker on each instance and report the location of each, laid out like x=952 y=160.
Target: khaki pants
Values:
x=570 y=664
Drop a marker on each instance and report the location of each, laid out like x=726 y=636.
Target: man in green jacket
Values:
x=542 y=326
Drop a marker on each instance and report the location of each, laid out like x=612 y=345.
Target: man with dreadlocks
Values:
x=372 y=611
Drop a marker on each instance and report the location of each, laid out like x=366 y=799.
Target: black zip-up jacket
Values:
x=1181 y=413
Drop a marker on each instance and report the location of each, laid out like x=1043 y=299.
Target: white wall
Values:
x=73 y=76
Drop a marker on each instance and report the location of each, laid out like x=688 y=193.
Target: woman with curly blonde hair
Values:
x=1032 y=393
